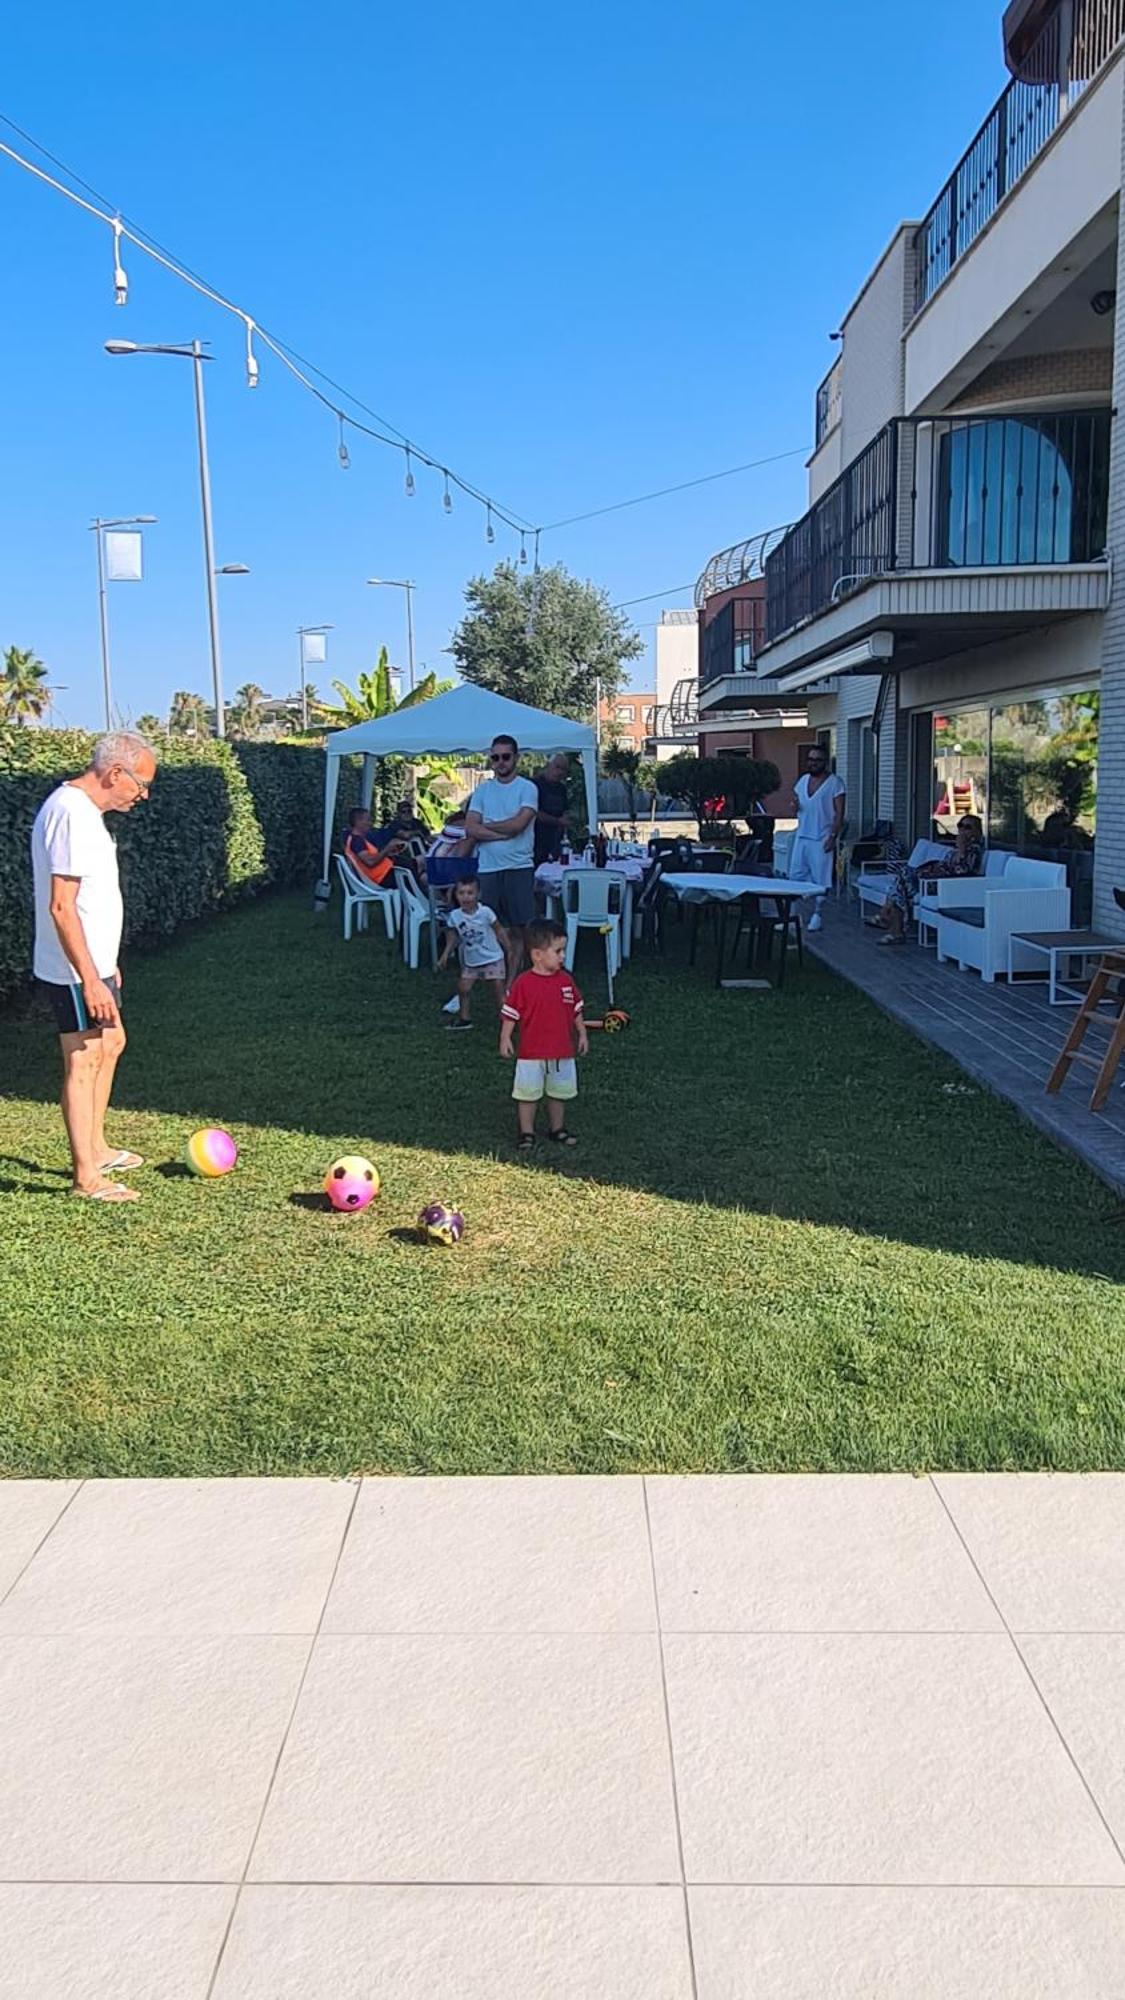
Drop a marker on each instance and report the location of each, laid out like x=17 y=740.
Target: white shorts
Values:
x=495 y=969
x=557 y=1079
x=811 y=861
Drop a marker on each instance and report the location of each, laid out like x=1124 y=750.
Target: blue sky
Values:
x=579 y=252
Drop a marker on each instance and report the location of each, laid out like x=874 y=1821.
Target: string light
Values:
x=447 y=497
x=251 y=357
x=489 y=531
x=409 y=480
x=120 y=277
x=523 y=550
x=341 y=448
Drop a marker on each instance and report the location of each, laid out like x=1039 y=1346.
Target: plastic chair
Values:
x=359 y=896
x=593 y=899
x=416 y=915
x=647 y=907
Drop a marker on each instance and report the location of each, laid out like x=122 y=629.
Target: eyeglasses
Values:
x=142 y=789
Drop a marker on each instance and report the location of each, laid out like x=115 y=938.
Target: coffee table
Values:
x=1071 y=947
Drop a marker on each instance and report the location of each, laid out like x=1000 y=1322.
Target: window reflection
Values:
x=1029 y=489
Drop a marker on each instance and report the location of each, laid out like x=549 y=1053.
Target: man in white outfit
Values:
x=818 y=800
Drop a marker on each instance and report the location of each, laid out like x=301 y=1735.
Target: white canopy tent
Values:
x=463 y=721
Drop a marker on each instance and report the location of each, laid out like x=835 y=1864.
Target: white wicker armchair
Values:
x=976 y=917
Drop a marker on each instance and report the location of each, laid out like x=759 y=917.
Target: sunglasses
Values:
x=500 y=757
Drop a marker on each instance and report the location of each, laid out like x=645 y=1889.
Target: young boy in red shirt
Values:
x=546 y=1006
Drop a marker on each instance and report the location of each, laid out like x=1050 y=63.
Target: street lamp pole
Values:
x=407 y=584
x=197 y=358
x=98 y=528
x=304 y=632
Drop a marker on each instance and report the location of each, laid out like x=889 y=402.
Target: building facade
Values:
x=628 y=718
x=947 y=605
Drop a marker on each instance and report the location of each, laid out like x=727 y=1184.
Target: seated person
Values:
x=451 y=856
x=372 y=855
x=965 y=857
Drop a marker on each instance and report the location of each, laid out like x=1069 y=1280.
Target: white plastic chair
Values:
x=593 y=899
x=359 y=896
x=416 y=914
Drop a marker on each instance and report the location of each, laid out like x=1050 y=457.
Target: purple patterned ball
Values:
x=439 y=1224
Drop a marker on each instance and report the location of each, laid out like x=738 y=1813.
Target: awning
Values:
x=864 y=656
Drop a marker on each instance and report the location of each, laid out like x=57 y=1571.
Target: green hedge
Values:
x=224 y=821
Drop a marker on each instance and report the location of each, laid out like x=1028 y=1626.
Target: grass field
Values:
x=792 y=1238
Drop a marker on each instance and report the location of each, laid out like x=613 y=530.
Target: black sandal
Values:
x=526 y=1142
x=562 y=1137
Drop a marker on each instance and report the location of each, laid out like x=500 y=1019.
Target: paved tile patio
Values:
x=739 y=1739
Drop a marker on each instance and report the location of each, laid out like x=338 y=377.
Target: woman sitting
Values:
x=964 y=858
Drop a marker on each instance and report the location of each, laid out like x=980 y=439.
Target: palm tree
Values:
x=246 y=715
x=149 y=726
x=373 y=695
x=24 y=694
x=187 y=715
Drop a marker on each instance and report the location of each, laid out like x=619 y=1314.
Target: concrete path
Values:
x=623 y=1739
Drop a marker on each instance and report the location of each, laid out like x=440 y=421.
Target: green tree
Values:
x=187 y=715
x=620 y=761
x=246 y=714
x=547 y=639
x=718 y=788
x=149 y=726
x=24 y=694
x=373 y=696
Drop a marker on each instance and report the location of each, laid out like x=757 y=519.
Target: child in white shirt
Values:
x=483 y=945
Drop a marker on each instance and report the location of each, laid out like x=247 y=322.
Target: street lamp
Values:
x=196 y=356
x=407 y=584
x=98 y=528
x=308 y=632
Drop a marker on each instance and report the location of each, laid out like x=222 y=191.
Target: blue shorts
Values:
x=69 y=1008
x=511 y=893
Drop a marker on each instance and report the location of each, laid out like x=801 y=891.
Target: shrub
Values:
x=718 y=788
x=223 y=822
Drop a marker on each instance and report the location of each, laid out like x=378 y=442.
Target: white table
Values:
x=550 y=876
x=1068 y=946
x=724 y=889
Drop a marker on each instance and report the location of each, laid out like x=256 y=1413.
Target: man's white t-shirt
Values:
x=816 y=817
x=70 y=837
x=494 y=802
x=475 y=932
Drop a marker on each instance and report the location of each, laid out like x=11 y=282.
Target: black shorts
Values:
x=511 y=893
x=69 y=1008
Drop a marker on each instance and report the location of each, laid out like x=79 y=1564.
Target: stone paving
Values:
x=575 y=1739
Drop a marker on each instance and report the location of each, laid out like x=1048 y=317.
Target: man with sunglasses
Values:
x=78 y=923
x=501 y=820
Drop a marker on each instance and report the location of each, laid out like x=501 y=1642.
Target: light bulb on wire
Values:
x=447 y=497
x=409 y=481
x=489 y=531
x=523 y=550
x=341 y=448
x=120 y=276
x=251 y=357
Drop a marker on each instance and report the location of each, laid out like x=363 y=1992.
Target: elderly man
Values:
x=78 y=922
x=501 y=820
x=552 y=819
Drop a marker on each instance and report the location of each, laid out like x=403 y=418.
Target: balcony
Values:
x=732 y=641
x=1021 y=497
x=1053 y=69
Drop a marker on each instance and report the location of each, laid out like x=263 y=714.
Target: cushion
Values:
x=975 y=917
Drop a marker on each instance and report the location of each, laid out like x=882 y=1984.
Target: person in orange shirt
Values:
x=373 y=861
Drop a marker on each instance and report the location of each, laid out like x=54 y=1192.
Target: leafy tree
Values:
x=546 y=639
x=718 y=788
x=24 y=694
x=149 y=726
x=620 y=761
x=187 y=715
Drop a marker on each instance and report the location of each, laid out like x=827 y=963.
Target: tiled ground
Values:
x=623 y=1739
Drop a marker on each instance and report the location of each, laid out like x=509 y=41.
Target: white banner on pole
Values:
x=123 y=555
x=315 y=650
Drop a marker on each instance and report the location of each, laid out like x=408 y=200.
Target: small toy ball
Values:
x=211 y=1152
x=616 y=1019
x=351 y=1183
x=439 y=1224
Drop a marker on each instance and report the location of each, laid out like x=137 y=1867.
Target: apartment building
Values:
x=628 y=718
x=946 y=606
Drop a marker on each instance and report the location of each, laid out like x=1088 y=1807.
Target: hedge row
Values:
x=224 y=821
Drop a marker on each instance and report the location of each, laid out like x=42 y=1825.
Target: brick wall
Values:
x=1079 y=371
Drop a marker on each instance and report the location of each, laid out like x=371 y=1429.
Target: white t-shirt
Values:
x=494 y=801
x=476 y=935
x=70 y=837
x=816 y=816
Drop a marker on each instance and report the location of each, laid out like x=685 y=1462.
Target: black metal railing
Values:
x=730 y=644
x=1072 y=47
x=980 y=492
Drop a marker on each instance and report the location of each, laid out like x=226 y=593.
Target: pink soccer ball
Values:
x=350 y=1183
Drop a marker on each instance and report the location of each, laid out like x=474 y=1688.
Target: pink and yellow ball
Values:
x=351 y=1182
x=211 y=1152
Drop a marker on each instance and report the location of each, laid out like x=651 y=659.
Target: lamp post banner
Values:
x=315 y=649
x=123 y=555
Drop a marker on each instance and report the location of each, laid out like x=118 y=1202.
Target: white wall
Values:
x=1062 y=654
x=677 y=658
x=1023 y=249
x=825 y=465
x=873 y=354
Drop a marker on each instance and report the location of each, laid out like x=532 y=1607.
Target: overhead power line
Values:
x=797 y=451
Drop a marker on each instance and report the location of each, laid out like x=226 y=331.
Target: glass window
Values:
x=625 y=712
x=1029 y=489
x=960 y=776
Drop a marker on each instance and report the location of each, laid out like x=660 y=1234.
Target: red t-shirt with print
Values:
x=546 y=1005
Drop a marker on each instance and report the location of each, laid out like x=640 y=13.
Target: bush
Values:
x=718 y=788
x=224 y=822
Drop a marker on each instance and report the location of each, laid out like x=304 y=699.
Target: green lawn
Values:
x=792 y=1238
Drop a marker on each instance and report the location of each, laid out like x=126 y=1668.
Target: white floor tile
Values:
x=28 y=1510
x=495 y=1555
x=816 y=1553
x=204 y=1556
x=456 y=1944
x=475 y=1760
x=1050 y=1548
x=909 y=1944
x=109 y=1941
x=883 y=1759
x=139 y=1759
x=1082 y=1680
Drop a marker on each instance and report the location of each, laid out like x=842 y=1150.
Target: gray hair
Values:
x=121 y=746
x=558 y=757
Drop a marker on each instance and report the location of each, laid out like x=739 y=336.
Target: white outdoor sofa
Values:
x=874 y=879
x=975 y=916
